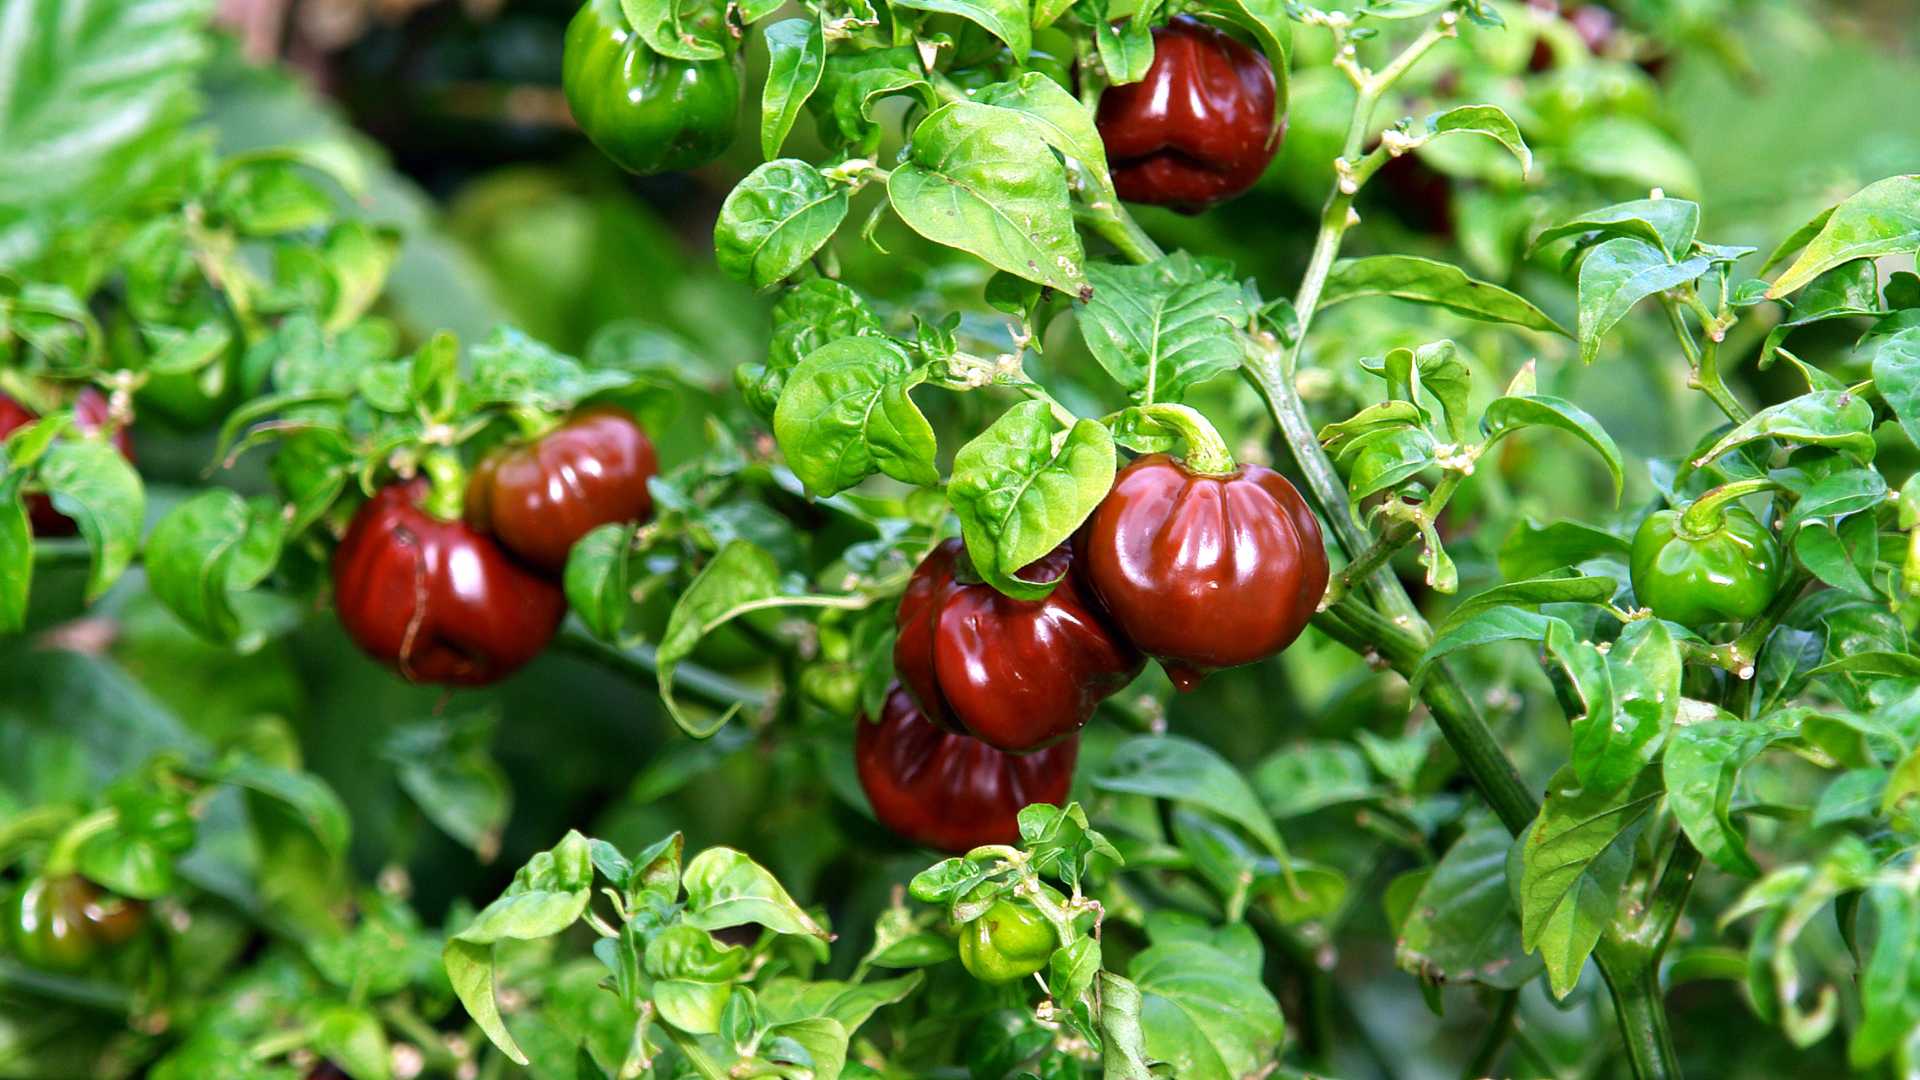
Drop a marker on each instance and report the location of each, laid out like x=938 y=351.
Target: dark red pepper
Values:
x=1199 y=129
x=539 y=498
x=435 y=600
x=90 y=412
x=1203 y=572
x=1016 y=674
x=949 y=792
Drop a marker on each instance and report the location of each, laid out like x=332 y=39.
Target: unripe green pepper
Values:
x=1710 y=562
x=1012 y=940
x=649 y=113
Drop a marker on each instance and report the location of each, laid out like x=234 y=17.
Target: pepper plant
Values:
x=1068 y=652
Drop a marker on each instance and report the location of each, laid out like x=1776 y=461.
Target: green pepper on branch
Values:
x=1709 y=562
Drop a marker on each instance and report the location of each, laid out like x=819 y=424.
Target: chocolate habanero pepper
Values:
x=1199 y=129
x=1016 y=674
x=1709 y=562
x=435 y=600
x=539 y=498
x=946 y=791
x=1203 y=571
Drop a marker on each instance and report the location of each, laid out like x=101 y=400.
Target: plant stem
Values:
x=696 y=1055
x=1484 y=1055
x=1117 y=227
x=1639 y=1010
x=1704 y=363
x=638 y=664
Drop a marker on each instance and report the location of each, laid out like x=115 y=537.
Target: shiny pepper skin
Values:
x=90 y=413
x=949 y=792
x=1010 y=941
x=649 y=113
x=1018 y=675
x=61 y=922
x=1730 y=575
x=435 y=600
x=1199 y=129
x=538 y=499
x=1203 y=572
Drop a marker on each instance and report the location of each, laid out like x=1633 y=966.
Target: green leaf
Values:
x=1845 y=556
x=1619 y=274
x=1576 y=858
x=1890 y=982
x=1530 y=550
x=1896 y=374
x=360 y=257
x=1799 y=239
x=1059 y=118
x=89 y=92
x=1702 y=768
x=444 y=766
x=1426 y=281
x=1204 y=1011
x=16 y=553
x=1489 y=120
x=1560 y=586
x=1508 y=414
x=845 y=414
x=596 y=579
x=726 y=888
x=547 y=896
x=1019 y=494
x=1462 y=926
x=511 y=368
x=1668 y=224
x=198 y=553
x=92 y=484
x=1493 y=624
x=1161 y=328
x=1882 y=219
x=1384 y=459
x=796 y=55
x=775 y=220
x=1304 y=777
x=983 y=179
x=1835 y=418
x=1271 y=23
x=1170 y=767
x=682 y=29
x=356 y=1041
x=1007 y=20
x=1126 y=48
x=741 y=574
x=1632 y=694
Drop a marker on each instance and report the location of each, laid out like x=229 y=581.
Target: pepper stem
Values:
x=1206 y=451
x=448 y=499
x=1706 y=517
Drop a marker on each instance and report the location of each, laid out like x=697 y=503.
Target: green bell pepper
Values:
x=1011 y=940
x=649 y=113
x=1709 y=562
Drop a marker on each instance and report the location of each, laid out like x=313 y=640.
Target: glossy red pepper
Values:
x=539 y=498
x=1204 y=572
x=1199 y=129
x=1016 y=674
x=90 y=413
x=435 y=600
x=949 y=792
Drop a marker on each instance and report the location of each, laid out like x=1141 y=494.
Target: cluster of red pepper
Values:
x=469 y=601
x=1198 y=571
